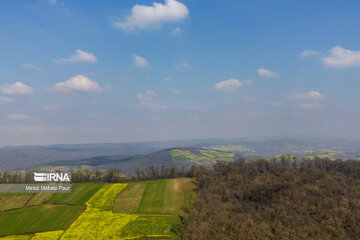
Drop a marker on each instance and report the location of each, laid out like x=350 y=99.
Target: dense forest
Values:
x=284 y=199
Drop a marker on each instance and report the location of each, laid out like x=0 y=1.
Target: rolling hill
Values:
x=181 y=157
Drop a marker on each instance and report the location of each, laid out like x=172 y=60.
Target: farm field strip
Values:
x=38 y=219
x=39 y=198
x=158 y=196
x=13 y=201
x=129 y=199
x=153 y=197
x=80 y=194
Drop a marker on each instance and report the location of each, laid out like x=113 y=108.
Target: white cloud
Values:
x=340 y=57
x=77 y=83
x=314 y=95
x=176 y=31
x=52 y=1
x=177 y=92
x=153 y=16
x=308 y=53
x=267 y=73
x=146 y=101
x=78 y=56
x=310 y=105
x=6 y=100
x=17 y=116
x=17 y=88
x=33 y=67
x=140 y=61
x=228 y=85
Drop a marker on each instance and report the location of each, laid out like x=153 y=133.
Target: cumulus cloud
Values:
x=6 y=100
x=17 y=116
x=313 y=95
x=267 y=73
x=17 y=88
x=79 y=83
x=154 y=16
x=228 y=85
x=308 y=53
x=146 y=101
x=140 y=61
x=78 y=56
x=32 y=67
x=340 y=57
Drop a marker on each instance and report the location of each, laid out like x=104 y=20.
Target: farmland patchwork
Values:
x=138 y=210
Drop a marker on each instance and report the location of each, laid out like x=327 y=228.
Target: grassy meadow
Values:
x=38 y=219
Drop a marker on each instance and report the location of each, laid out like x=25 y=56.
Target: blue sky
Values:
x=145 y=70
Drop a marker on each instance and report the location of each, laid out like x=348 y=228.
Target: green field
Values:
x=80 y=194
x=38 y=219
x=158 y=196
x=155 y=226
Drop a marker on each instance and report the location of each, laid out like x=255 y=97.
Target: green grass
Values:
x=153 y=197
x=38 y=219
x=152 y=227
x=156 y=197
x=80 y=194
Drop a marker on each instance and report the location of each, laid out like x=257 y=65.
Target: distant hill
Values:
x=182 y=157
x=126 y=154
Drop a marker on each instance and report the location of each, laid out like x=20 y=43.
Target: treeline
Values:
x=284 y=199
x=106 y=176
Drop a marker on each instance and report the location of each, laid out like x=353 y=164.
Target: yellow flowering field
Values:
x=52 y=235
x=98 y=225
x=98 y=221
x=104 y=198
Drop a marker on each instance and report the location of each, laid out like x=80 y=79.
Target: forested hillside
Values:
x=277 y=200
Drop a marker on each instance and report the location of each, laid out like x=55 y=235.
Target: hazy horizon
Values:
x=158 y=70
